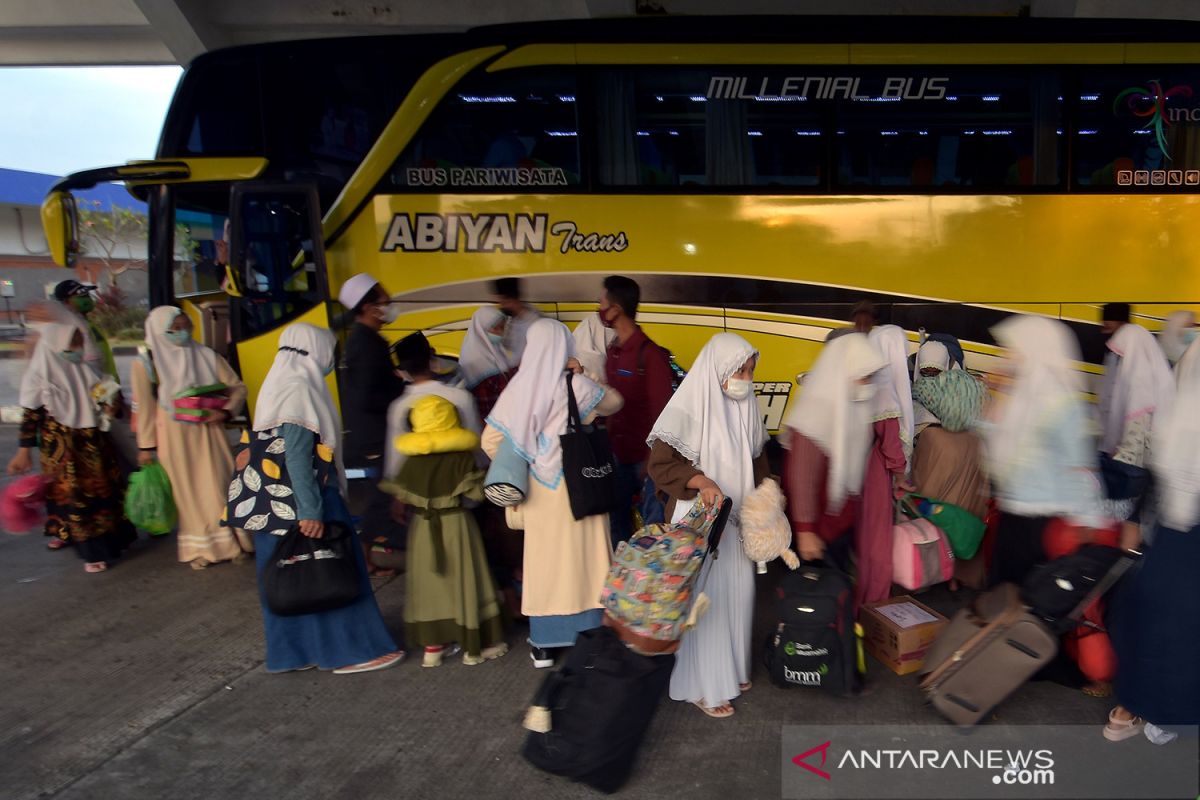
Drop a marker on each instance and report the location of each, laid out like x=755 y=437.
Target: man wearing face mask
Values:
x=369 y=385
x=641 y=371
x=520 y=315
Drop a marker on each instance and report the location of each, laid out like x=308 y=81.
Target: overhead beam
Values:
x=183 y=27
x=82 y=46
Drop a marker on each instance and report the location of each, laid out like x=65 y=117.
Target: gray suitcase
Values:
x=986 y=652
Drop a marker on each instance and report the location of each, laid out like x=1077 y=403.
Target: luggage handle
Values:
x=1127 y=559
x=905 y=510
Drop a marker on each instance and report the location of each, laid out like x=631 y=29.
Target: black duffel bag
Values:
x=1060 y=591
x=588 y=719
x=307 y=576
x=588 y=466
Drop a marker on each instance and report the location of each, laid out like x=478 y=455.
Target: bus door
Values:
x=276 y=272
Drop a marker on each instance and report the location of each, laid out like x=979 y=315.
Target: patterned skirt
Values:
x=84 y=498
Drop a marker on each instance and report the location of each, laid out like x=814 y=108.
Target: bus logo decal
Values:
x=492 y=233
x=1150 y=103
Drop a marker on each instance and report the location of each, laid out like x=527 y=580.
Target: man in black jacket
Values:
x=369 y=385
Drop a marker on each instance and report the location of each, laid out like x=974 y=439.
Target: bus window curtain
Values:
x=1047 y=120
x=615 y=121
x=728 y=160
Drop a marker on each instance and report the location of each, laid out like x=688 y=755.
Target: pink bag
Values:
x=921 y=554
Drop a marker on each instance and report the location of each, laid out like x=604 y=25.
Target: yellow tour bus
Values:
x=756 y=175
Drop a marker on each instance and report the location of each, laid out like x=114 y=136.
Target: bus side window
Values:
x=1136 y=130
x=513 y=129
x=664 y=126
x=275 y=260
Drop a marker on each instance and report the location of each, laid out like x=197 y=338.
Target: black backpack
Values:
x=814 y=643
x=1059 y=591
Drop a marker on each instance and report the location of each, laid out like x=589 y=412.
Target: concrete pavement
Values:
x=147 y=682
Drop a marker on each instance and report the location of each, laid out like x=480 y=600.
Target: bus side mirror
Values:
x=60 y=222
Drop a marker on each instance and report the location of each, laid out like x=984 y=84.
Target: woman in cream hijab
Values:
x=195 y=454
x=828 y=436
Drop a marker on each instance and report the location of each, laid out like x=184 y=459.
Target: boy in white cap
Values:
x=370 y=384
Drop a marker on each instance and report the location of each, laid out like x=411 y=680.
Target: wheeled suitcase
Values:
x=588 y=718
x=986 y=652
x=816 y=641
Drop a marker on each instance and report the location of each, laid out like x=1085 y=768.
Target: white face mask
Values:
x=388 y=313
x=738 y=389
x=863 y=392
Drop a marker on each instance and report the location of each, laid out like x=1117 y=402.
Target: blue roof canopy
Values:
x=18 y=187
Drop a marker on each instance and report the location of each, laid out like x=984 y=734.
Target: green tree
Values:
x=116 y=237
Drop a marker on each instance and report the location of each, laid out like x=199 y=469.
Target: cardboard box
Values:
x=898 y=632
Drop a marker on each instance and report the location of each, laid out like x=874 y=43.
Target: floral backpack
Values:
x=651 y=594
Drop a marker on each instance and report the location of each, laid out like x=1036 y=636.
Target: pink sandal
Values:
x=1118 y=730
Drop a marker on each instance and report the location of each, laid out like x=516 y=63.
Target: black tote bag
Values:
x=588 y=467
x=307 y=576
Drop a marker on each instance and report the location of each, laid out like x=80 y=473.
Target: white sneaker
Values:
x=487 y=654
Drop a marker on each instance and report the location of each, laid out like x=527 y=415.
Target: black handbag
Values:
x=307 y=576
x=588 y=467
x=1123 y=481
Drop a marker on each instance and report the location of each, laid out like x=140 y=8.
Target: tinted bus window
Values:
x=223 y=115
x=726 y=126
x=1138 y=127
x=947 y=127
x=511 y=130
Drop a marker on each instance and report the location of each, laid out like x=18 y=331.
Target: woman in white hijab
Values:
x=83 y=495
x=1177 y=335
x=486 y=367
x=566 y=560
x=829 y=436
x=288 y=474
x=1138 y=388
x=709 y=441
x=1156 y=619
x=195 y=454
x=1038 y=452
x=887 y=465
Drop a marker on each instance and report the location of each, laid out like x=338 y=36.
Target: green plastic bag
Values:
x=964 y=530
x=149 y=503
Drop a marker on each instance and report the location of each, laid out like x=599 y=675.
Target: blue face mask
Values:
x=495 y=338
x=72 y=356
x=179 y=337
x=1189 y=335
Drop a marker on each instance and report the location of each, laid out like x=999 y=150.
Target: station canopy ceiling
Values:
x=113 y=32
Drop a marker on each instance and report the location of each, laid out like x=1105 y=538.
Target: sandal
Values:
x=723 y=711
x=200 y=563
x=95 y=566
x=1118 y=730
x=745 y=687
x=1098 y=689
x=55 y=544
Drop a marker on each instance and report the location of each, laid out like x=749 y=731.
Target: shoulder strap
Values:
x=573 y=421
x=641 y=358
